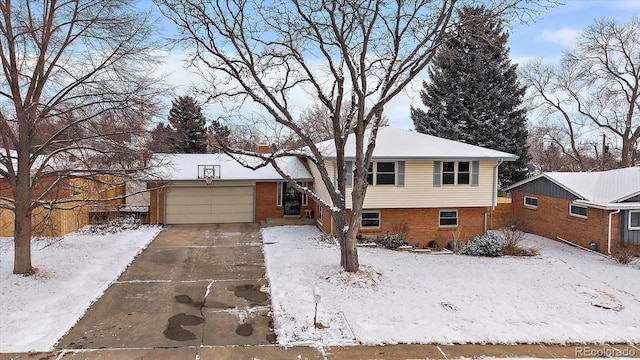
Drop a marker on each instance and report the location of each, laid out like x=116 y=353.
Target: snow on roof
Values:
x=185 y=167
x=394 y=143
x=600 y=188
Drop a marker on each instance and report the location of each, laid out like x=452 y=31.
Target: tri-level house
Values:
x=423 y=187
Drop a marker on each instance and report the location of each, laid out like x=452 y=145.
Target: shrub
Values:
x=391 y=241
x=116 y=225
x=624 y=254
x=512 y=243
x=482 y=245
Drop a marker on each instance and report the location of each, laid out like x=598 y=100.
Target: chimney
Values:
x=264 y=148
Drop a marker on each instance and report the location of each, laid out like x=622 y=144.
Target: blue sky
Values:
x=546 y=37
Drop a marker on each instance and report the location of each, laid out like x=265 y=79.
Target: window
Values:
x=456 y=172
x=384 y=173
x=530 y=202
x=370 y=219
x=448 y=172
x=634 y=220
x=283 y=185
x=463 y=172
x=448 y=218
x=579 y=211
x=320 y=214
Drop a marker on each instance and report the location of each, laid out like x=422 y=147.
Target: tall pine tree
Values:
x=474 y=95
x=186 y=118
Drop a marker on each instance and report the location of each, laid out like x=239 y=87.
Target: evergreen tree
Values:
x=186 y=118
x=474 y=95
x=161 y=137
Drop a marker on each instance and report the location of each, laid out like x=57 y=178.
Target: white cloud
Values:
x=564 y=36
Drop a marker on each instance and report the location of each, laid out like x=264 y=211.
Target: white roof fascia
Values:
x=431 y=158
x=627 y=197
x=610 y=206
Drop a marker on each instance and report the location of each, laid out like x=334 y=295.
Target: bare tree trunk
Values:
x=351 y=263
x=22 y=196
x=22 y=239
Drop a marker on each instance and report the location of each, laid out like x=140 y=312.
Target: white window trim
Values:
x=529 y=205
x=279 y=193
x=448 y=210
x=371 y=212
x=629 y=224
x=578 y=215
x=455 y=173
x=374 y=173
x=305 y=198
x=320 y=214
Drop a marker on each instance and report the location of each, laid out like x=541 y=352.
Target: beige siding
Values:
x=419 y=191
x=318 y=185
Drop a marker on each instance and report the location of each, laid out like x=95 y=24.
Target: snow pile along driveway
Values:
x=38 y=310
x=565 y=295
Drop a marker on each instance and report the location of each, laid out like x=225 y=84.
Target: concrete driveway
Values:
x=200 y=285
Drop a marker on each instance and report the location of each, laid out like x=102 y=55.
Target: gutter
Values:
x=609 y=234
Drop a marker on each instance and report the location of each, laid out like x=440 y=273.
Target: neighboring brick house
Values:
x=599 y=210
x=180 y=194
x=423 y=187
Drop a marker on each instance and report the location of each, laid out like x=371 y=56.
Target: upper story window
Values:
x=577 y=210
x=384 y=173
x=456 y=172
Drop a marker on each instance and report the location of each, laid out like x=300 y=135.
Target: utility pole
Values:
x=604 y=149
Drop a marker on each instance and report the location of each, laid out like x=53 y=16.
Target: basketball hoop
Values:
x=208 y=179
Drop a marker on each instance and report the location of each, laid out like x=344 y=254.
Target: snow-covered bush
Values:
x=115 y=225
x=391 y=241
x=482 y=245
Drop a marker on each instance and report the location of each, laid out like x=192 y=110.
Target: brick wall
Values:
x=551 y=219
x=419 y=225
x=266 y=201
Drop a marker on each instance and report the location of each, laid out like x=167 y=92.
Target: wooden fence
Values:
x=502 y=215
x=75 y=215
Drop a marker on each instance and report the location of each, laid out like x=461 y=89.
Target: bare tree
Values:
x=596 y=84
x=76 y=79
x=351 y=56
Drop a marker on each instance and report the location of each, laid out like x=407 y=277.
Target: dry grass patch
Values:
x=512 y=243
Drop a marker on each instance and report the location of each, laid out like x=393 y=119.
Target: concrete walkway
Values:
x=200 y=292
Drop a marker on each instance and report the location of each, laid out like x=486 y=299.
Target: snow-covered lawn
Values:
x=564 y=295
x=36 y=311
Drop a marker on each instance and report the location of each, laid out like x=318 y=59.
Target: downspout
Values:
x=494 y=196
x=609 y=235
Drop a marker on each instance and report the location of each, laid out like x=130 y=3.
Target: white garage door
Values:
x=207 y=205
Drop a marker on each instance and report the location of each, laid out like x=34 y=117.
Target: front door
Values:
x=291 y=199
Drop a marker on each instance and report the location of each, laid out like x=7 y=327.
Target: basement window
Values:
x=448 y=218
x=578 y=211
x=370 y=219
